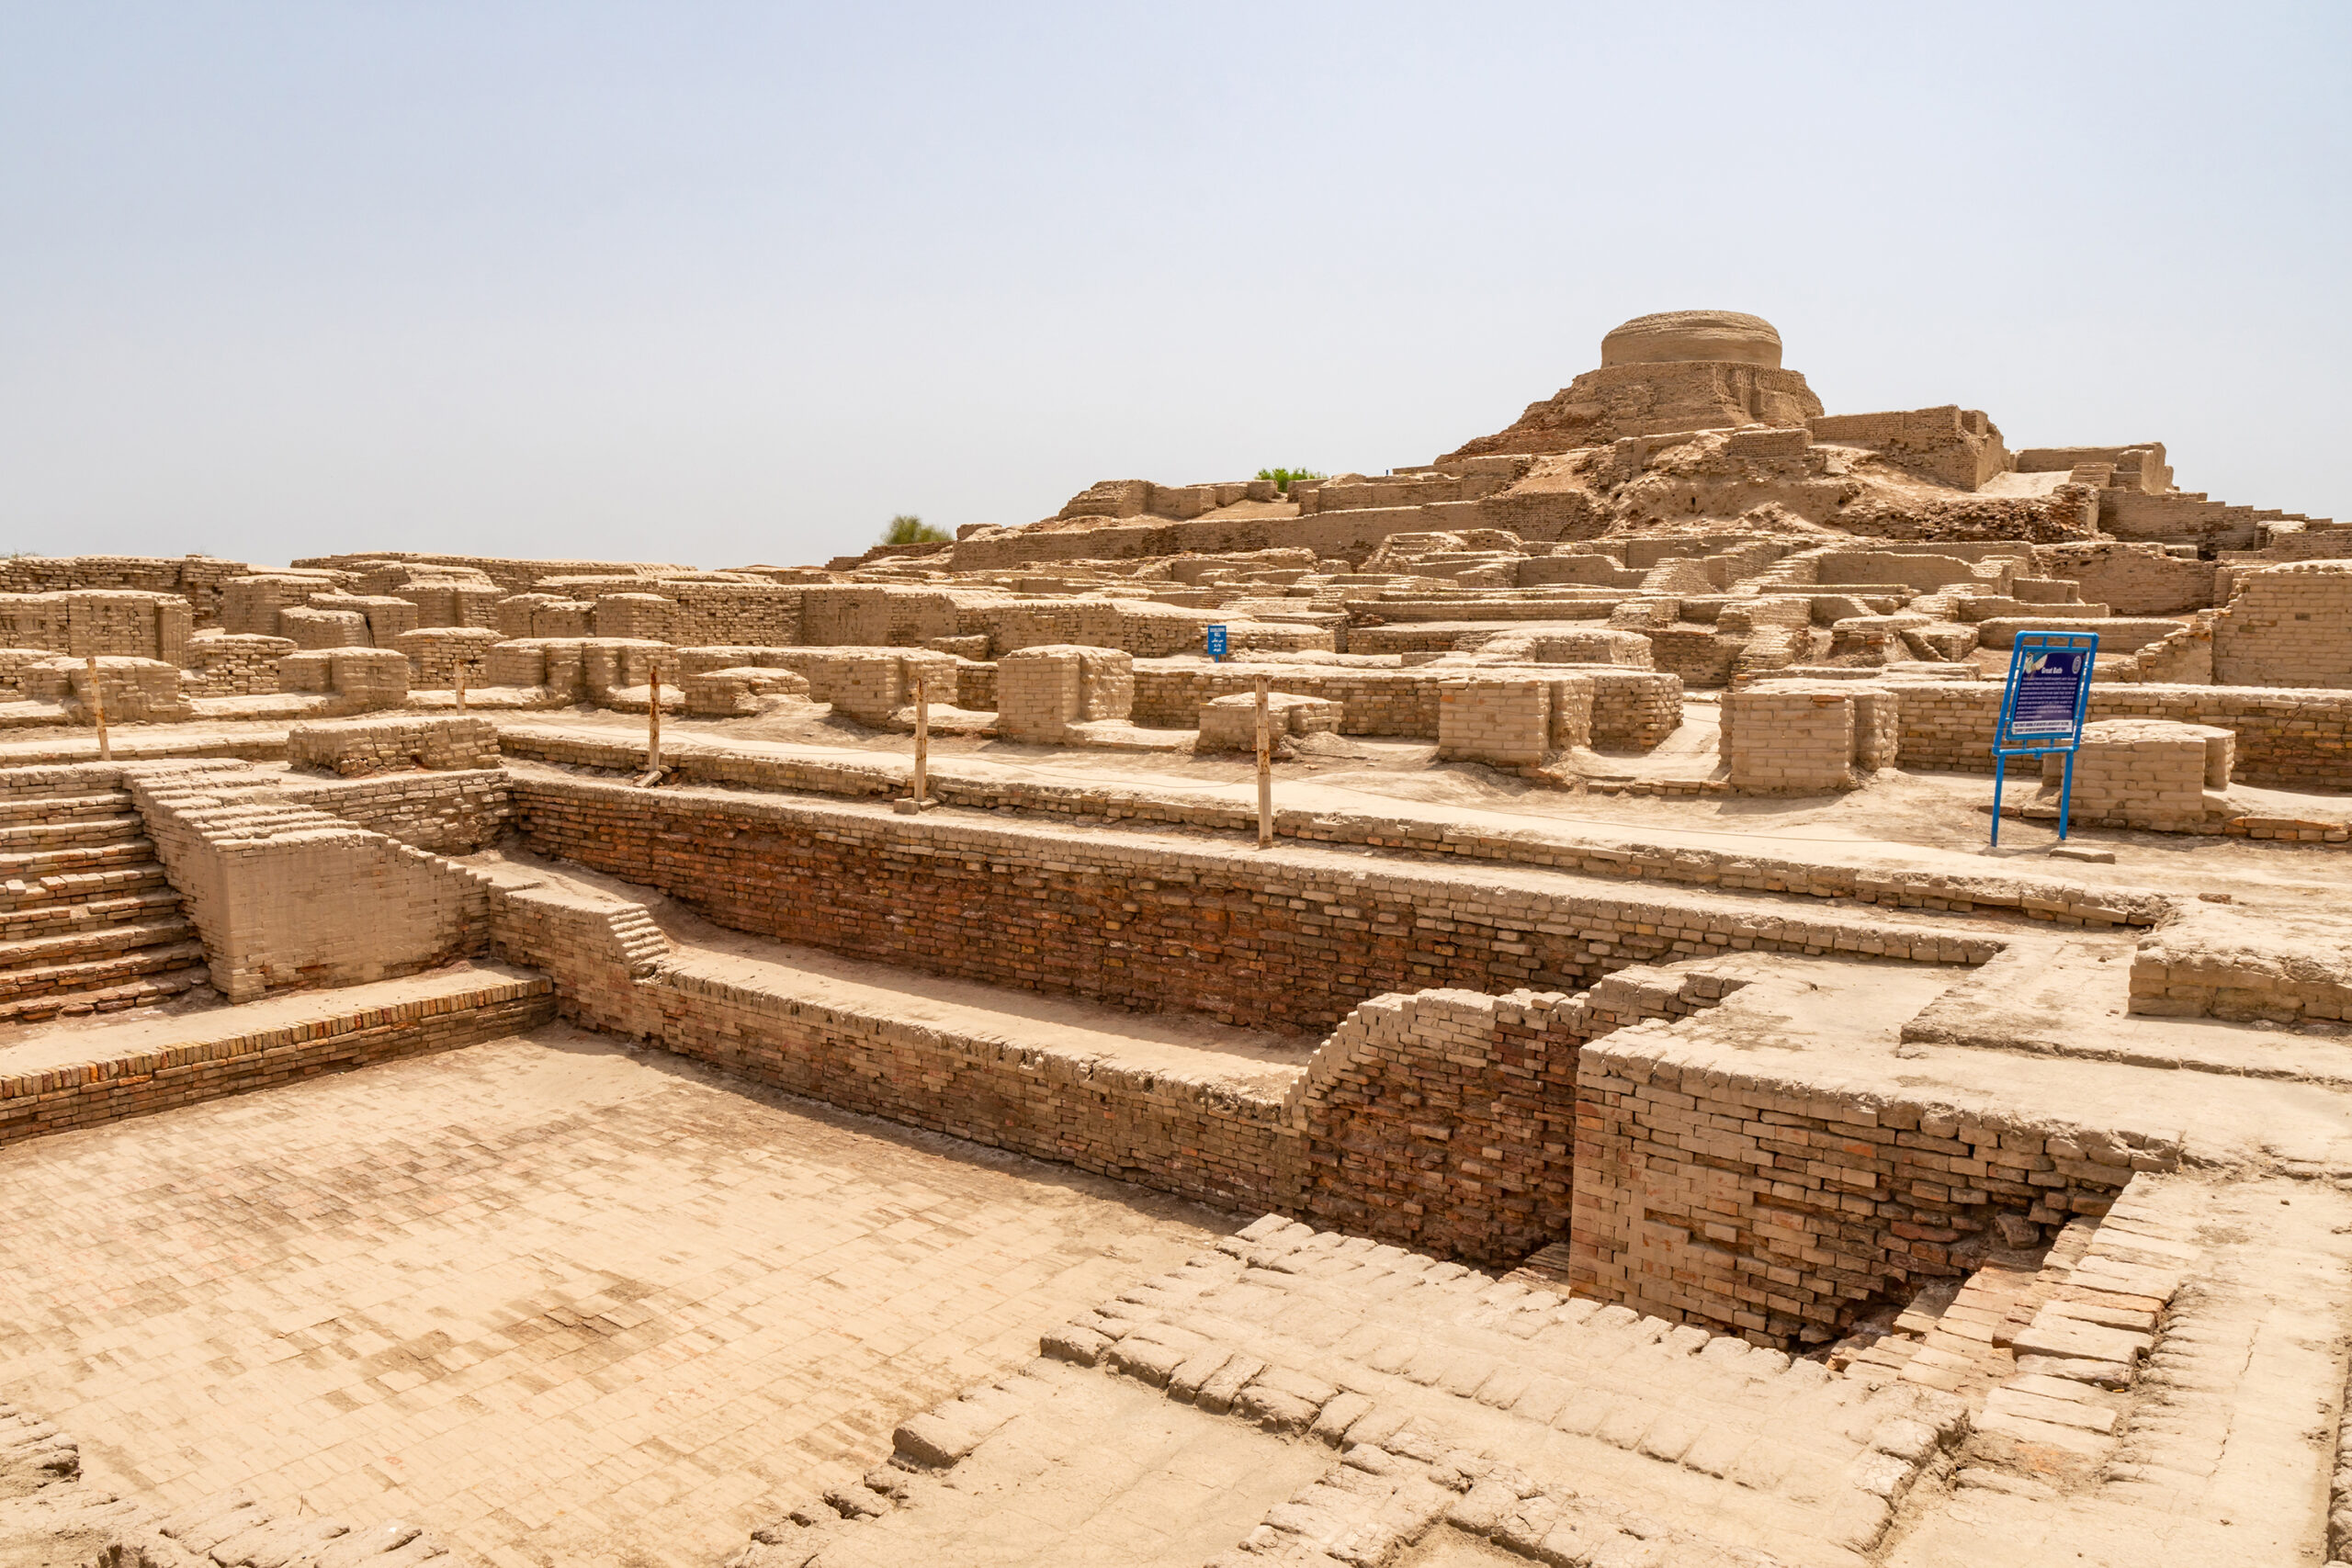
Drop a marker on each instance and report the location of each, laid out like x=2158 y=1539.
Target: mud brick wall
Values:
x=2286 y=626
x=1630 y=708
x=132 y=690
x=2130 y=578
x=435 y=653
x=1289 y=945
x=14 y=661
x=360 y=678
x=710 y=614
x=2204 y=963
x=643 y=617
x=1196 y=1139
x=696 y=762
x=1695 y=653
x=386 y=616
x=438 y=743
x=1789 y=742
x=444 y=813
x=91 y=1094
x=196 y=578
x=286 y=895
x=586 y=667
x=1434 y=637
x=1376 y=702
x=1494 y=719
x=1447 y=1120
x=312 y=628
x=604 y=958
x=101 y=621
x=1635 y=708
x=1484 y=608
x=2143 y=774
x=233 y=666
x=1782 y=1209
x=454 y=603
x=2294 y=740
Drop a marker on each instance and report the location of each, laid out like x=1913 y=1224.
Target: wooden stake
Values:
x=654 y=721
x=922 y=742
x=458 y=674
x=98 y=710
x=1265 y=774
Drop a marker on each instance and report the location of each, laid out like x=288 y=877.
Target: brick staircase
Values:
x=88 y=921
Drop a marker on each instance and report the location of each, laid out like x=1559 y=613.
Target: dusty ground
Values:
x=560 y=1302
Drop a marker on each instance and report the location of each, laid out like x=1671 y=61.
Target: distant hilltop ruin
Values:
x=1689 y=424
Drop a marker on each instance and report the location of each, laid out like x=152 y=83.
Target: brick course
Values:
x=1141 y=924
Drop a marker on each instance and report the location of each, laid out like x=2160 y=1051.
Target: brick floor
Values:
x=562 y=1302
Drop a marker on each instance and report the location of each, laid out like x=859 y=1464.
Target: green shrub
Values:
x=907 y=529
x=1282 y=477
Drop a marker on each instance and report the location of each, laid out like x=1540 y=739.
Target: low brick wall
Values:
x=448 y=813
x=2288 y=624
x=1783 y=1208
x=1201 y=1141
x=1290 y=942
x=696 y=761
x=1374 y=702
x=375 y=746
x=1630 y=708
x=1447 y=1120
x=220 y=665
x=2292 y=739
x=286 y=895
x=345 y=1030
x=2208 y=964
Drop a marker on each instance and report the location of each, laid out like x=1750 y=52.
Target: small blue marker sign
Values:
x=1216 y=643
x=2042 y=709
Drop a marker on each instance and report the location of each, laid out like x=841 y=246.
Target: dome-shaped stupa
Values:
x=1724 y=336
x=1674 y=371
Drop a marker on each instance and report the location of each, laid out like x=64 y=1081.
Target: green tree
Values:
x=1282 y=477
x=907 y=529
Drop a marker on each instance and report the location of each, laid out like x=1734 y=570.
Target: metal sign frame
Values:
x=1216 y=637
x=2048 y=731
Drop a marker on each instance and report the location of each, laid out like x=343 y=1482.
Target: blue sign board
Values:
x=1216 y=643
x=2043 y=708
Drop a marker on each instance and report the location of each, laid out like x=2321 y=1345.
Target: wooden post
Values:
x=1265 y=774
x=457 y=675
x=922 y=742
x=654 y=720
x=98 y=709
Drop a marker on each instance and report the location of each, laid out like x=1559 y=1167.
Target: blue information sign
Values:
x=1216 y=643
x=2043 y=708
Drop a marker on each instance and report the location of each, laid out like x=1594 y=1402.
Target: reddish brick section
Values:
x=698 y=761
x=1447 y=1121
x=137 y=1082
x=1197 y=1140
x=1764 y=1205
x=1289 y=942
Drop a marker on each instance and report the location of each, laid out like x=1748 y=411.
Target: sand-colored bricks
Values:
x=1041 y=691
x=1230 y=723
x=2288 y=626
x=2139 y=772
x=1808 y=737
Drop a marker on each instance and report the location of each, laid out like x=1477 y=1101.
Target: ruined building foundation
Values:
x=1624 y=1115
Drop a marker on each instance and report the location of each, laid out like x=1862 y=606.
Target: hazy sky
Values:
x=725 y=283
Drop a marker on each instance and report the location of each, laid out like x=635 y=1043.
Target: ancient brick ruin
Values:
x=1528 y=1054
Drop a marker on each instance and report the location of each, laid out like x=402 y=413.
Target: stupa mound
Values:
x=1674 y=371
x=1674 y=337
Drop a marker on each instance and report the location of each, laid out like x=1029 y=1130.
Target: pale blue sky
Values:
x=731 y=283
